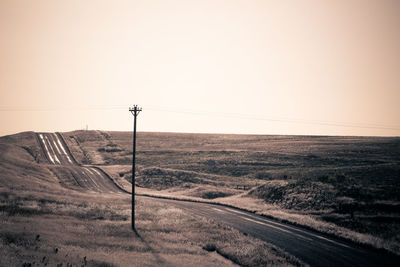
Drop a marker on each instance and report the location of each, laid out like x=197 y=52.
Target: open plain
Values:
x=64 y=200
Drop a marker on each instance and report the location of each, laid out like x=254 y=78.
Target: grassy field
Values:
x=46 y=224
x=83 y=230
x=345 y=186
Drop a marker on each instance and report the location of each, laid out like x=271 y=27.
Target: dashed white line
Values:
x=97 y=185
x=296 y=229
x=278 y=228
x=311 y=234
x=52 y=150
x=98 y=173
x=235 y=211
x=262 y=223
x=89 y=171
x=62 y=148
x=88 y=178
x=222 y=211
x=58 y=150
x=47 y=150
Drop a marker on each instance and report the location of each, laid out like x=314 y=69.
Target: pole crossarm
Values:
x=135 y=112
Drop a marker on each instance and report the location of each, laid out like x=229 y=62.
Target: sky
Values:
x=305 y=67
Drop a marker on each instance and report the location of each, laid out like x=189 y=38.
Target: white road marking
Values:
x=235 y=211
x=62 y=148
x=265 y=224
x=89 y=180
x=98 y=173
x=58 y=150
x=218 y=210
x=102 y=175
x=52 y=150
x=278 y=228
x=47 y=150
x=296 y=229
x=83 y=181
x=334 y=242
x=308 y=233
x=89 y=171
x=97 y=185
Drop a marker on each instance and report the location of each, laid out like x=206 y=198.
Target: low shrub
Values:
x=110 y=150
x=210 y=247
x=214 y=194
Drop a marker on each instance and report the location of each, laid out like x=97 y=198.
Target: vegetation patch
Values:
x=298 y=195
x=23 y=239
x=328 y=177
x=214 y=194
x=73 y=235
x=210 y=247
x=158 y=178
x=350 y=182
x=109 y=150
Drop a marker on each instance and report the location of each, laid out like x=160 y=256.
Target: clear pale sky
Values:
x=218 y=66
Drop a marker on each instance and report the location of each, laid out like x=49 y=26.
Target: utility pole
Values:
x=135 y=111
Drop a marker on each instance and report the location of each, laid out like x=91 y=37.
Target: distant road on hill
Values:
x=311 y=247
x=69 y=172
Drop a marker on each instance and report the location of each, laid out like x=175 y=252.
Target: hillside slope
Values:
x=332 y=183
x=46 y=222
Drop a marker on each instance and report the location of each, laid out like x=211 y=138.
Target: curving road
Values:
x=69 y=172
x=311 y=247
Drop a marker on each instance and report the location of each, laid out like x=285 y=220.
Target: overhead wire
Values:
x=284 y=120
x=234 y=115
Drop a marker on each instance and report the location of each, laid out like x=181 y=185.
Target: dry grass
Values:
x=90 y=230
x=346 y=186
x=258 y=206
x=46 y=224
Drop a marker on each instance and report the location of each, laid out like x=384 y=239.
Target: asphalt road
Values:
x=311 y=247
x=69 y=172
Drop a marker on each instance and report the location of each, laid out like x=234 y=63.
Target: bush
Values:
x=210 y=247
x=263 y=176
x=102 y=149
x=214 y=194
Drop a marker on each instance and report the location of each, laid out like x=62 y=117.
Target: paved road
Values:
x=309 y=246
x=69 y=172
x=55 y=149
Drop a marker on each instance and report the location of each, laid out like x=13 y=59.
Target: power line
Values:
x=283 y=120
x=61 y=108
x=209 y=113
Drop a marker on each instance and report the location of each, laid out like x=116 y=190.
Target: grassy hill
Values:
x=340 y=185
x=345 y=186
x=44 y=223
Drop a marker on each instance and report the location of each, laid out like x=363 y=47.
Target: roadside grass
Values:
x=89 y=230
x=345 y=186
x=285 y=215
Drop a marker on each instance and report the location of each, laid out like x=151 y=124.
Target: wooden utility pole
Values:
x=135 y=111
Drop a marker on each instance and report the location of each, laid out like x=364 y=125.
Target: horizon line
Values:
x=212 y=133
